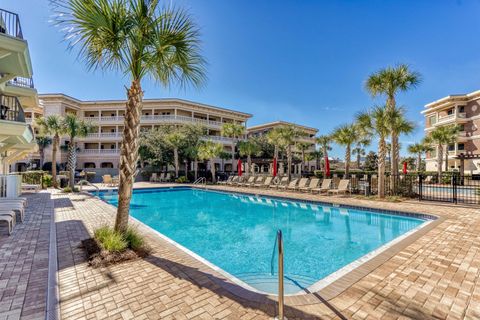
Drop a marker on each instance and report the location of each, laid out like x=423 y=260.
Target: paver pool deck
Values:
x=436 y=276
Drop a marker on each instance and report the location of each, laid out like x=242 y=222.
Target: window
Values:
x=461 y=127
x=451 y=147
x=461 y=146
x=432 y=120
x=449 y=112
x=112 y=147
x=461 y=109
x=165 y=113
x=112 y=114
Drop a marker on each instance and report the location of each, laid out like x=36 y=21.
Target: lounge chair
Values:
x=8 y=218
x=233 y=181
x=282 y=182
x=343 y=187
x=154 y=177
x=250 y=180
x=167 y=178
x=226 y=181
x=291 y=185
x=107 y=180
x=313 y=184
x=326 y=185
x=14 y=205
x=301 y=184
x=265 y=183
x=239 y=181
x=258 y=182
x=30 y=187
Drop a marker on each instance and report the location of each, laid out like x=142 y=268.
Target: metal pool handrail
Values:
x=200 y=180
x=88 y=183
x=279 y=240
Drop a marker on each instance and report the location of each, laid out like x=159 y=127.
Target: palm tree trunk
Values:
x=439 y=160
x=446 y=159
x=381 y=168
x=303 y=163
x=249 y=162
x=175 y=159
x=394 y=161
x=212 y=164
x=42 y=157
x=419 y=161
x=72 y=161
x=129 y=153
x=347 y=161
x=196 y=168
x=289 y=161
x=56 y=139
x=358 y=160
x=325 y=155
x=233 y=157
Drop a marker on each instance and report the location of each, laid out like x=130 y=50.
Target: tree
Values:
x=288 y=138
x=346 y=135
x=42 y=143
x=359 y=152
x=175 y=139
x=371 y=161
x=389 y=82
x=442 y=136
x=377 y=123
x=324 y=142
x=52 y=125
x=233 y=131
x=419 y=149
x=139 y=39
x=74 y=128
x=303 y=147
x=274 y=137
x=210 y=150
x=248 y=149
x=194 y=134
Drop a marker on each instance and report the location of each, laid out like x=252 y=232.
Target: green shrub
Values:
x=110 y=240
x=101 y=233
x=181 y=179
x=68 y=189
x=134 y=238
x=47 y=181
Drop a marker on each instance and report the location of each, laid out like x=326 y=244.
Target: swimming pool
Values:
x=236 y=232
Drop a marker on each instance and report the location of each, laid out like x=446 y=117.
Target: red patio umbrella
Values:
x=274 y=167
x=405 y=167
x=239 y=167
x=327 y=167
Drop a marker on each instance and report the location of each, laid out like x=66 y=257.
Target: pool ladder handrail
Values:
x=88 y=183
x=201 y=180
x=281 y=294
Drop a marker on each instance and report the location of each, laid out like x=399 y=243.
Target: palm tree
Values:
x=210 y=150
x=288 y=138
x=194 y=134
x=442 y=136
x=359 y=151
x=249 y=148
x=389 y=82
x=346 y=135
x=139 y=39
x=73 y=127
x=52 y=125
x=42 y=143
x=303 y=147
x=274 y=137
x=377 y=123
x=419 y=149
x=324 y=142
x=175 y=139
x=233 y=131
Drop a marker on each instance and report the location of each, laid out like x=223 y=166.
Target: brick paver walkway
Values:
x=24 y=262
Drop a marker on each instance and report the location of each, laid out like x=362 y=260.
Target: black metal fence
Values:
x=10 y=24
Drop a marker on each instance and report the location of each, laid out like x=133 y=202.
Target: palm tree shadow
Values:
x=223 y=288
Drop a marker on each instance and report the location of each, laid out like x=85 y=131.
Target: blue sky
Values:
x=300 y=61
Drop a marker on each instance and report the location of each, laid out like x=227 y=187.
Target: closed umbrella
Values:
x=239 y=167
x=405 y=167
x=327 y=167
x=274 y=167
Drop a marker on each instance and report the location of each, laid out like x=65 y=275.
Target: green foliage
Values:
x=47 y=180
x=371 y=161
x=181 y=179
x=114 y=241
x=69 y=189
x=134 y=239
x=32 y=177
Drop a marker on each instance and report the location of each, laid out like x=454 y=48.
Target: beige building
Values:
x=101 y=149
x=17 y=92
x=463 y=110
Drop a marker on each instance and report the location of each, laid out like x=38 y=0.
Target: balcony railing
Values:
x=159 y=118
x=21 y=82
x=10 y=24
x=99 y=151
x=11 y=109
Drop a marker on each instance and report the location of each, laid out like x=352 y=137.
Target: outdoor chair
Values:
x=30 y=187
x=154 y=177
x=301 y=184
x=233 y=181
x=291 y=185
x=282 y=182
x=258 y=182
x=107 y=180
x=167 y=178
x=313 y=184
x=226 y=181
x=250 y=180
x=13 y=205
x=326 y=185
x=265 y=184
x=343 y=187
x=239 y=181
x=8 y=218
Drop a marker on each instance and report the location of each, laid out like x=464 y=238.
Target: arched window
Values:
x=89 y=165
x=107 y=165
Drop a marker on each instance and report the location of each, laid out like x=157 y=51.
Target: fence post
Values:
x=454 y=187
x=420 y=186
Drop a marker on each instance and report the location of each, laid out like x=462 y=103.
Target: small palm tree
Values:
x=52 y=125
x=419 y=149
x=442 y=136
x=139 y=39
x=324 y=142
x=288 y=138
x=303 y=147
x=74 y=128
x=376 y=123
x=389 y=82
x=359 y=151
x=274 y=138
x=249 y=148
x=42 y=143
x=210 y=150
x=234 y=131
x=346 y=135
x=175 y=139
x=194 y=134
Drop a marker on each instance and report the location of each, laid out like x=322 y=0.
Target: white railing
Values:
x=446 y=118
x=10 y=186
x=219 y=139
x=159 y=118
x=99 y=151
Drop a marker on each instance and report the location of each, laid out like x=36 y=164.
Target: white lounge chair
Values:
x=153 y=177
x=226 y=181
x=291 y=185
x=312 y=185
x=282 y=182
x=326 y=185
x=233 y=181
x=8 y=218
x=249 y=181
x=343 y=187
x=30 y=187
x=257 y=182
x=16 y=206
x=301 y=184
x=265 y=184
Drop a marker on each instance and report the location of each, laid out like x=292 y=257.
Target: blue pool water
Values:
x=237 y=232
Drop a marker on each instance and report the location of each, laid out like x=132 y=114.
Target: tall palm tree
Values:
x=377 y=123
x=346 y=135
x=52 y=125
x=274 y=138
x=233 y=131
x=303 y=147
x=359 y=151
x=288 y=138
x=42 y=143
x=249 y=148
x=389 y=82
x=74 y=128
x=210 y=150
x=139 y=39
x=194 y=134
x=175 y=139
x=442 y=136
x=419 y=149
x=324 y=142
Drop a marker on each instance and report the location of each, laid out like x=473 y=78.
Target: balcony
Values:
x=220 y=139
x=21 y=82
x=11 y=109
x=10 y=24
x=100 y=151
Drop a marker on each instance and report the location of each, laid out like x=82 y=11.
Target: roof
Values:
x=465 y=97
x=280 y=123
x=107 y=101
